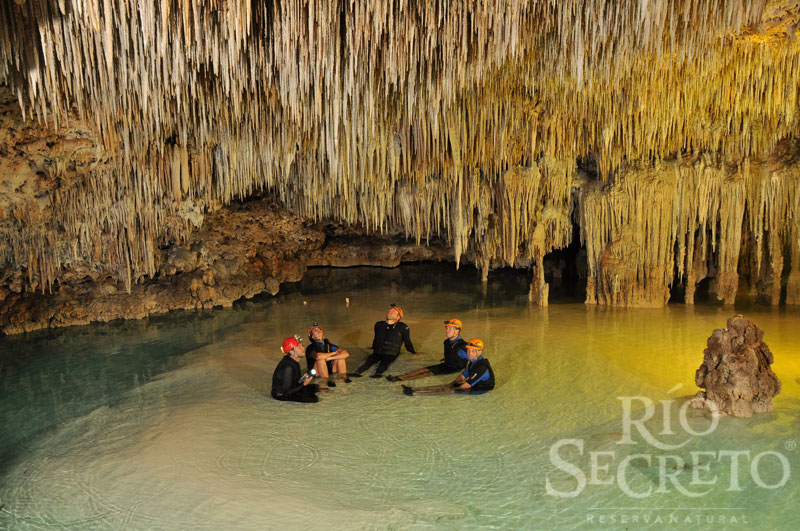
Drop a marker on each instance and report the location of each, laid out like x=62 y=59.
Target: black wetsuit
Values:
x=286 y=384
x=479 y=376
x=455 y=357
x=389 y=338
x=314 y=348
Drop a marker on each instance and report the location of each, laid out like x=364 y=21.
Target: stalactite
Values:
x=684 y=222
x=401 y=116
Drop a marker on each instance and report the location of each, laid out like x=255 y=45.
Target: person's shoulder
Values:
x=403 y=325
x=287 y=361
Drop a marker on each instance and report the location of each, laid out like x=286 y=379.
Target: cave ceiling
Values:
x=495 y=126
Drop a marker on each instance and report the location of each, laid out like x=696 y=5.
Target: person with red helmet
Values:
x=390 y=336
x=455 y=355
x=288 y=383
x=477 y=377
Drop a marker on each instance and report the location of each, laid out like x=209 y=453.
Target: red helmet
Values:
x=288 y=344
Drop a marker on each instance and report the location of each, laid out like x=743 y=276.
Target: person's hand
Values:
x=309 y=376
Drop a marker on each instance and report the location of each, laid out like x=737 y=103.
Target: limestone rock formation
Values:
x=241 y=251
x=736 y=371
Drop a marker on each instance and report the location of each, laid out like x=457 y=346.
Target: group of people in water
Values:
x=326 y=361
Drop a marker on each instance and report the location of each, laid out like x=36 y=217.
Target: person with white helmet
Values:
x=455 y=355
x=288 y=383
x=477 y=377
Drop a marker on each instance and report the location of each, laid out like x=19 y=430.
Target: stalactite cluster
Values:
x=682 y=222
x=458 y=120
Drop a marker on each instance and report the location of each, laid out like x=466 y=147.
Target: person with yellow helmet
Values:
x=455 y=355
x=477 y=377
x=325 y=357
x=390 y=336
x=288 y=384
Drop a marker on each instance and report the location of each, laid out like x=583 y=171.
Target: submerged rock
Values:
x=736 y=371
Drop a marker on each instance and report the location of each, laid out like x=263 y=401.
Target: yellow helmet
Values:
x=398 y=309
x=311 y=329
x=475 y=343
x=454 y=322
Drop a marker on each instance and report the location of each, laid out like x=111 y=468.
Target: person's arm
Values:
x=459 y=382
x=337 y=353
x=295 y=385
x=287 y=383
x=476 y=375
x=375 y=344
x=407 y=340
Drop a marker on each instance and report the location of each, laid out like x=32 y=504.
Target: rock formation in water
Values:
x=665 y=134
x=736 y=372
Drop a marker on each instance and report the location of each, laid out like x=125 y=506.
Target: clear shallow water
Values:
x=167 y=423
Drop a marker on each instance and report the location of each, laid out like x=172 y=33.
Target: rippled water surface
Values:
x=167 y=423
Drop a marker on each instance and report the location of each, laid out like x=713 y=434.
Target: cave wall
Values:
x=666 y=130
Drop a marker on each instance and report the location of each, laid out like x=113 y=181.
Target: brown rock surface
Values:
x=242 y=250
x=346 y=247
x=736 y=371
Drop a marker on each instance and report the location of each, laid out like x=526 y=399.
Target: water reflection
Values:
x=167 y=422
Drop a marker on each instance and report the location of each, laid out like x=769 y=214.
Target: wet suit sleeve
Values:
x=477 y=374
x=375 y=337
x=407 y=340
x=287 y=383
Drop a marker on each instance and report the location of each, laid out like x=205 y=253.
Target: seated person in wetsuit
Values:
x=288 y=384
x=477 y=377
x=390 y=336
x=325 y=357
x=454 y=360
